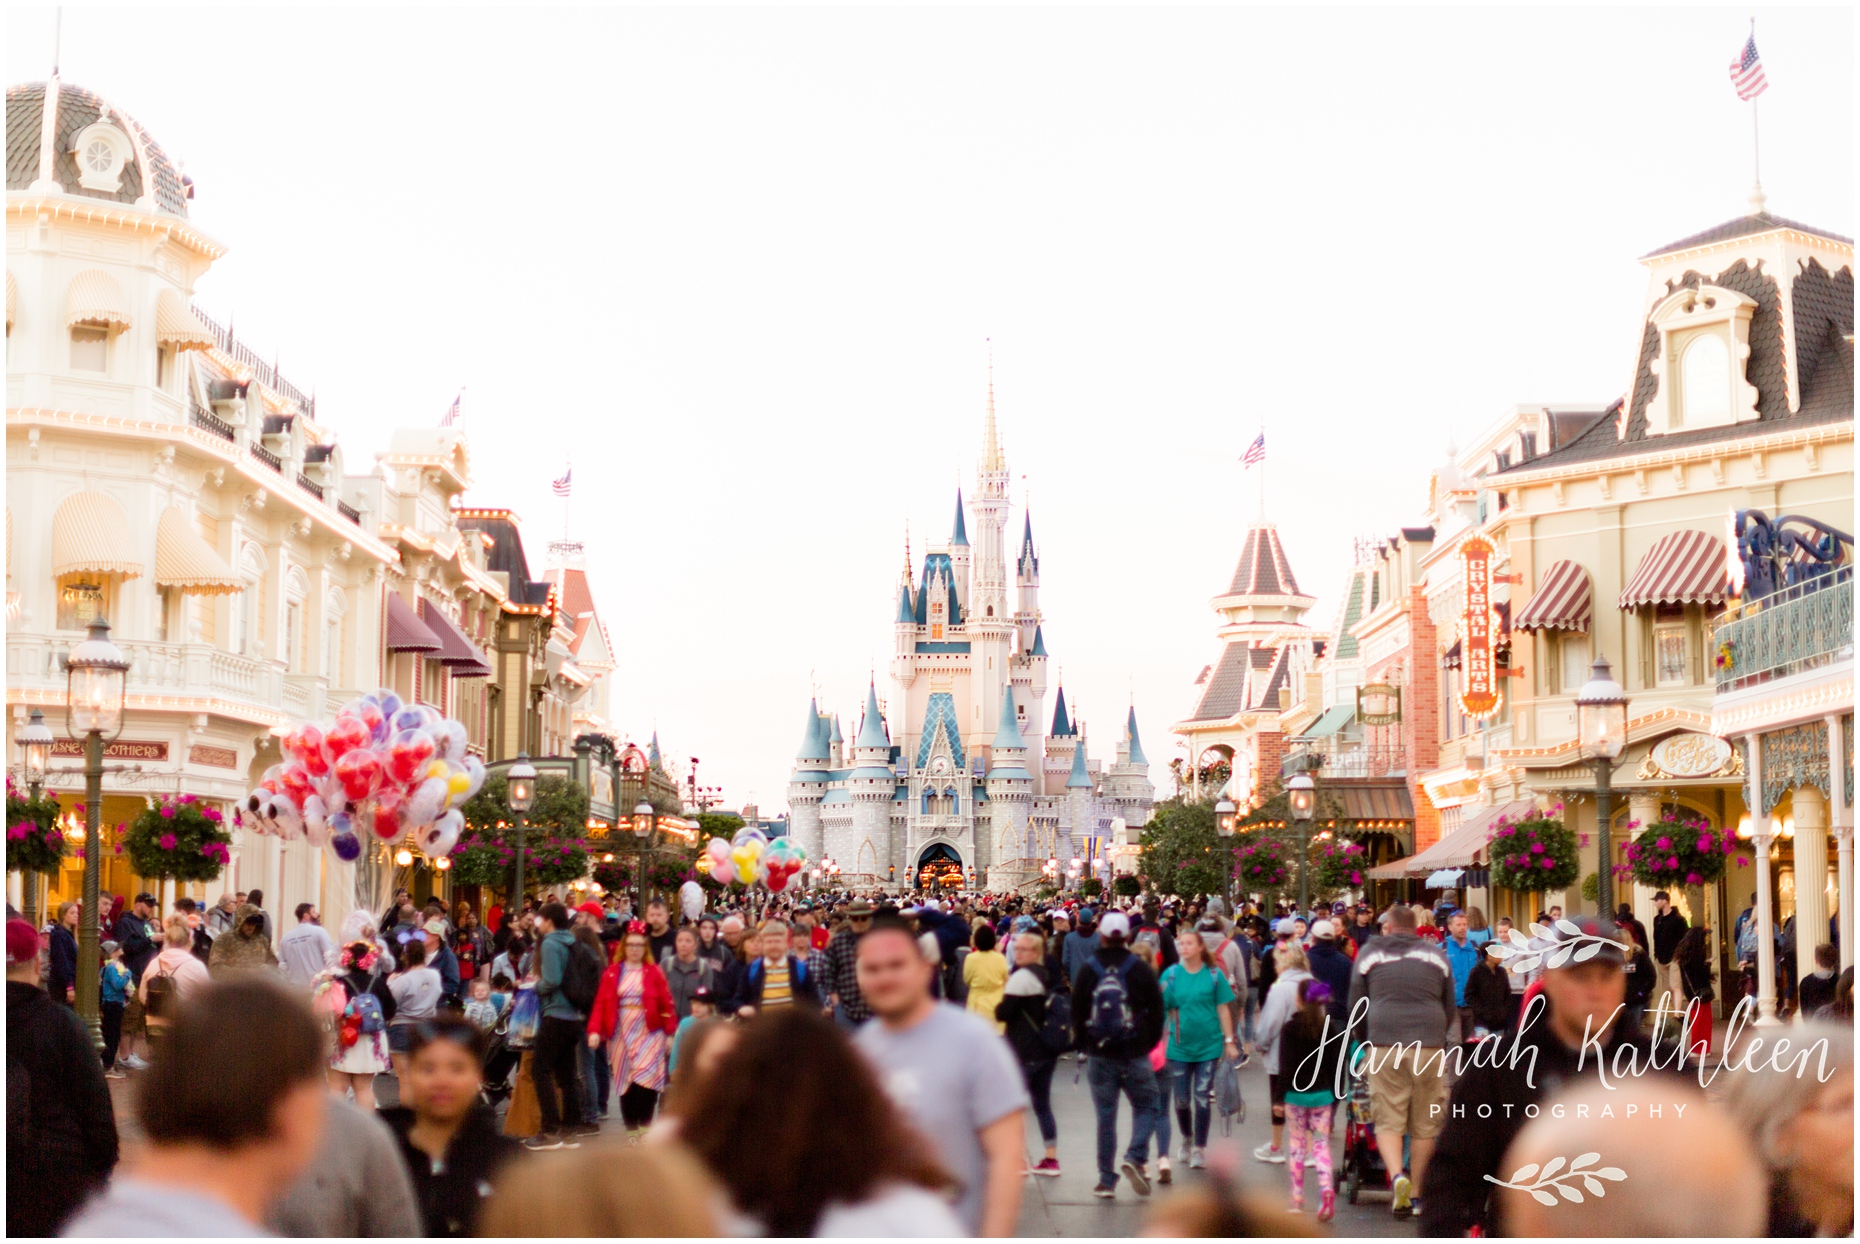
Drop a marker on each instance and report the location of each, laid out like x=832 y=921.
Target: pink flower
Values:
x=1537 y=848
x=1742 y=862
x=1672 y=861
x=167 y=810
x=1663 y=844
x=212 y=814
x=1546 y=863
x=19 y=831
x=1694 y=879
x=167 y=842
x=187 y=799
x=1704 y=842
x=1356 y=878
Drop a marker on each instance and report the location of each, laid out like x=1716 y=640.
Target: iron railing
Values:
x=349 y=512
x=268 y=458
x=207 y=421
x=263 y=372
x=309 y=485
x=1798 y=628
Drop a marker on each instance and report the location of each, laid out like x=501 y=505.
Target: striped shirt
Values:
x=776 y=990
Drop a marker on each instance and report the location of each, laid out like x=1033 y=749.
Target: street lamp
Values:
x=642 y=835
x=35 y=752
x=95 y=674
x=520 y=793
x=1224 y=825
x=1301 y=794
x=1601 y=728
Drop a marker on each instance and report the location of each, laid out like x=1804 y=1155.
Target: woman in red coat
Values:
x=634 y=1015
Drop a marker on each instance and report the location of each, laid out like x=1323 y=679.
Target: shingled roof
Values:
x=77 y=109
x=1743 y=227
x=1264 y=569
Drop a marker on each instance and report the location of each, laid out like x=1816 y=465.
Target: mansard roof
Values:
x=1264 y=569
x=1743 y=227
x=933 y=564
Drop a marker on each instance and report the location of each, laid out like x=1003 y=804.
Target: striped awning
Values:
x=1684 y=568
x=12 y=300
x=176 y=324
x=96 y=298
x=1564 y=601
x=1459 y=849
x=1450 y=659
x=184 y=559
x=456 y=652
x=90 y=535
x=405 y=631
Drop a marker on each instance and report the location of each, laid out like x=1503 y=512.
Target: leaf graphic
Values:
x=1569 y=1193
x=1585 y=1160
x=1518 y=939
x=1609 y=1172
x=1500 y=950
x=1588 y=952
x=1550 y=1168
x=1538 y=930
x=1559 y=958
x=1543 y=1198
x=1524 y=963
x=1570 y=927
x=1595 y=1188
x=1523 y=1173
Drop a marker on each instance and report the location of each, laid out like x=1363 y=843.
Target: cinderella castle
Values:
x=964 y=776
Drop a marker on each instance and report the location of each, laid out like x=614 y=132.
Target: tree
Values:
x=1182 y=851
x=1091 y=887
x=718 y=825
x=554 y=846
x=1126 y=886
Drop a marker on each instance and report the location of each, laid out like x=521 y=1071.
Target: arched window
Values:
x=1705 y=386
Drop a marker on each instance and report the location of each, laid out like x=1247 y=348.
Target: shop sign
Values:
x=121 y=749
x=213 y=757
x=1378 y=704
x=1479 y=695
x=1691 y=755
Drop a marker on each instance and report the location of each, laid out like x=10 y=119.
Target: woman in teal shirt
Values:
x=1200 y=1031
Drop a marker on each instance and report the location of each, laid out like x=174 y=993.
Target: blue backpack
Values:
x=366 y=1008
x=1111 y=1019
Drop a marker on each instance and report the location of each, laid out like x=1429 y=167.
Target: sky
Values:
x=744 y=270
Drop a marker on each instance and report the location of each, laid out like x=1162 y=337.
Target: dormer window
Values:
x=101 y=152
x=1705 y=380
x=1704 y=344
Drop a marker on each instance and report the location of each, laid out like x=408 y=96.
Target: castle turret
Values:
x=1010 y=793
x=871 y=785
x=1079 y=791
x=809 y=784
x=991 y=625
x=959 y=553
x=1127 y=787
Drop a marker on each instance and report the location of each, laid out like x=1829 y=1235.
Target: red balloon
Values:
x=344 y=737
x=407 y=755
x=360 y=773
x=305 y=745
x=294 y=784
x=385 y=820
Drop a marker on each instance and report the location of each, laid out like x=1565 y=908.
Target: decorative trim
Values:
x=1795 y=757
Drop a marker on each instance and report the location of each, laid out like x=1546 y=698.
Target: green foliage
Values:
x=664 y=873
x=1337 y=865
x=33 y=841
x=1126 y=886
x=179 y=839
x=1679 y=849
x=560 y=805
x=1536 y=853
x=718 y=825
x=1182 y=852
x=1091 y=887
x=555 y=850
x=1592 y=888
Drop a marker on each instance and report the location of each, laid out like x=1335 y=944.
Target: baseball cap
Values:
x=1282 y=925
x=144 y=897
x=435 y=926
x=22 y=942
x=1324 y=929
x=591 y=909
x=1115 y=925
x=109 y=948
x=703 y=993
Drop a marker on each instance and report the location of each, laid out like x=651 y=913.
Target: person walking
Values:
x=246 y=948
x=1199 y=1029
x=61 y=955
x=563 y=1028
x=985 y=973
x=1079 y=944
x=306 y=951
x=132 y=932
x=1291 y=969
x=841 y=980
x=1332 y=965
x=1117 y=1019
x=686 y=972
x=948 y=1073
x=1023 y=1014
x=635 y=1016
x=775 y=977
x=1488 y=998
x=415 y=989
x=359 y=1028
x=1310 y=1050
x=170 y=978
x=115 y=986
x=446 y=1133
x=1407 y=986
x=1693 y=958
x=1668 y=927
x=1462 y=953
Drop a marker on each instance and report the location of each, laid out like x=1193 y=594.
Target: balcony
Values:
x=1349 y=758
x=168 y=671
x=1793 y=631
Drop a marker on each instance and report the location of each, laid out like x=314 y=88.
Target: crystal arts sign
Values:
x=1479 y=697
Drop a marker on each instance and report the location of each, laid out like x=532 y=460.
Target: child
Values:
x=703 y=1005
x=501 y=992
x=1308 y=1064
x=114 y=999
x=480 y=1010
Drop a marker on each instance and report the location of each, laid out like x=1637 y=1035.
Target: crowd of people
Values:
x=866 y=1065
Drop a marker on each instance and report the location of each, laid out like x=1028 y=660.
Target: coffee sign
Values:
x=1378 y=704
x=1479 y=695
x=1691 y=755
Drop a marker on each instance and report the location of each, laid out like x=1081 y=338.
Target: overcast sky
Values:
x=740 y=268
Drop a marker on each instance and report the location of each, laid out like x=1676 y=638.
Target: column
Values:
x=1811 y=877
x=1643 y=810
x=1841 y=818
x=1761 y=835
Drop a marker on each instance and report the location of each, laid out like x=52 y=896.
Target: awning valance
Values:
x=1444 y=878
x=405 y=631
x=456 y=652
x=1334 y=719
x=96 y=298
x=1459 y=849
x=12 y=301
x=177 y=326
x=1388 y=801
x=90 y=535
x=184 y=560
x=1564 y=601
x=1451 y=658
x=1683 y=568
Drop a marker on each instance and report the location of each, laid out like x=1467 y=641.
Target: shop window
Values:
x=80 y=604
x=90 y=348
x=164 y=368
x=1573 y=655
x=1669 y=655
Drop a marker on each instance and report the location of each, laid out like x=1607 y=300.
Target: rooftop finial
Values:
x=991 y=443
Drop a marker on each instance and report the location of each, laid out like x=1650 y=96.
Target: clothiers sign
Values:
x=121 y=749
x=1479 y=695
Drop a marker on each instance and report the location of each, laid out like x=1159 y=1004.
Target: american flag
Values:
x=1747 y=71
x=561 y=486
x=452 y=415
x=1256 y=452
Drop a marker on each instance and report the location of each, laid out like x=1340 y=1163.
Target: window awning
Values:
x=1444 y=878
x=1450 y=659
x=177 y=326
x=90 y=535
x=456 y=652
x=12 y=301
x=1683 y=568
x=405 y=631
x=1459 y=849
x=1387 y=801
x=1564 y=601
x=95 y=298
x=184 y=560
x=1334 y=719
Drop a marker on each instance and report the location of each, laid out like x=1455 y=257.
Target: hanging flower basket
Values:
x=1338 y=864
x=33 y=840
x=1261 y=865
x=1678 y=850
x=179 y=839
x=1536 y=853
x=489 y=857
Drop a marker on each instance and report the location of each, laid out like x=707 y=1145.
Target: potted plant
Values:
x=178 y=839
x=1338 y=865
x=33 y=841
x=1536 y=853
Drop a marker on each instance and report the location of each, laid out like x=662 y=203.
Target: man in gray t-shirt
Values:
x=951 y=1074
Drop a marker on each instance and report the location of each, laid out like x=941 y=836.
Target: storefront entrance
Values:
x=939 y=867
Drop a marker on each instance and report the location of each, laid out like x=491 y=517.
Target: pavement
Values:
x=1066 y=1207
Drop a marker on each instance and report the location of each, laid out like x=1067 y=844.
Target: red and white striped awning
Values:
x=1564 y=601
x=1684 y=568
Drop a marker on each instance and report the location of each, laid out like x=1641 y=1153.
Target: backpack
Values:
x=1056 y=1032
x=581 y=977
x=1111 y=1019
x=161 y=994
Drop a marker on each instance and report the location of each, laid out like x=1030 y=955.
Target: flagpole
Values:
x=1262 y=473
x=1756 y=149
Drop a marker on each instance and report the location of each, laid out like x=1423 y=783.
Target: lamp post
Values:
x=1301 y=794
x=520 y=794
x=1224 y=826
x=642 y=836
x=95 y=674
x=35 y=752
x=1601 y=728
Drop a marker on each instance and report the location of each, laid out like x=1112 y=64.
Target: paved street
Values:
x=1066 y=1206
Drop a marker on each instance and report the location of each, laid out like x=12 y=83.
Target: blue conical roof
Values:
x=814 y=741
x=1007 y=734
x=1029 y=561
x=1136 y=745
x=1062 y=725
x=1039 y=644
x=836 y=736
x=905 y=612
x=652 y=751
x=1079 y=776
x=872 y=729
x=960 y=536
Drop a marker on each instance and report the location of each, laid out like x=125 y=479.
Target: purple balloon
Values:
x=347 y=847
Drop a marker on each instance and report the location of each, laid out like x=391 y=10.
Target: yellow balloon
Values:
x=438 y=769
x=461 y=781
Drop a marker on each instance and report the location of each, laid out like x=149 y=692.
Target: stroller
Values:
x=1363 y=1167
x=505 y=1051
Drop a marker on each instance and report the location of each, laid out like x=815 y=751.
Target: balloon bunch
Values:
x=383 y=768
x=751 y=859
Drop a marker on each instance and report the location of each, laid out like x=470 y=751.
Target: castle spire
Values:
x=959 y=537
x=1136 y=745
x=991 y=444
x=872 y=729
